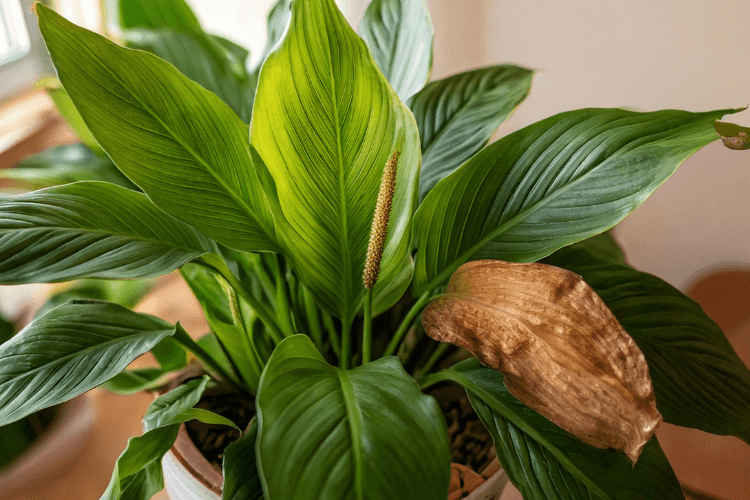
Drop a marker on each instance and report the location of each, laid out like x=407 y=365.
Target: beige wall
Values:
x=689 y=54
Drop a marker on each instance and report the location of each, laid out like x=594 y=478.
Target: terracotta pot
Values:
x=58 y=446
x=189 y=476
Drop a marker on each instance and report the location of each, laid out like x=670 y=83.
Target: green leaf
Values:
x=202 y=59
x=210 y=343
x=176 y=407
x=458 y=115
x=551 y=184
x=69 y=112
x=131 y=382
x=546 y=462
x=603 y=246
x=365 y=433
x=205 y=416
x=276 y=24
x=138 y=472
x=7 y=329
x=241 y=478
x=698 y=379
x=174 y=14
x=125 y=293
x=164 y=408
x=170 y=355
x=91 y=230
x=177 y=141
x=69 y=351
x=399 y=34
x=238 y=52
x=63 y=165
x=326 y=140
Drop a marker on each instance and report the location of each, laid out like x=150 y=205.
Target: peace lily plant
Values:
x=328 y=209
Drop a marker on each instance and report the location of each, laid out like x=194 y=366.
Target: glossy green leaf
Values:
x=399 y=34
x=241 y=478
x=698 y=379
x=131 y=382
x=210 y=343
x=164 y=408
x=70 y=350
x=366 y=433
x=63 y=165
x=326 y=140
x=176 y=407
x=458 y=115
x=551 y=184
x=177 y=141
x=202 y=59
x=125 y=293
x=91 y=230
x=7 y=329
x=175 y=14
x=67 y=109
x=138 y=472
x=546 y=462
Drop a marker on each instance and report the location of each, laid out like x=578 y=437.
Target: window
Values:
x=14 y=36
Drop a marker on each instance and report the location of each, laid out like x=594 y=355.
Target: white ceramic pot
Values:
x=53 y=450
x=187 y=473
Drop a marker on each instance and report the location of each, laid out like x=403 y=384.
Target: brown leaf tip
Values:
x=379 y=230
x=733 y=136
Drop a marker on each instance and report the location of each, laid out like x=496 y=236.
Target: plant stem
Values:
x=434 y=358
x=182 y=337
x=333 y=334
x=312 y=314
x=283 y=304
x=346 y=344
x=433 y=379
x=260 y=309
x=367 y=328
x=406 y=324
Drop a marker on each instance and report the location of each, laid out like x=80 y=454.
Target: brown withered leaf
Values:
x=733 y=136
x=561 y=350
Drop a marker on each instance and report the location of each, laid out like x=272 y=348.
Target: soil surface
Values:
x=210 y=439
x=471 y=444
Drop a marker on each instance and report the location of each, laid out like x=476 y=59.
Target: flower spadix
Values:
x=379 y=230
x=561 y=350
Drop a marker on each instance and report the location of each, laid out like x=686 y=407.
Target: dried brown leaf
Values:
x=562 y=351
x=733 y=136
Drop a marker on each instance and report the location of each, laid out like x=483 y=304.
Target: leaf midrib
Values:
x=355 y=430
x=81 y=353
x=104 y=232
x=343 y=208
x=238 y=199
x=530 y=431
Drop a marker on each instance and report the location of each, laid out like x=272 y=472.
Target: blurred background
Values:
x=646 y=55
